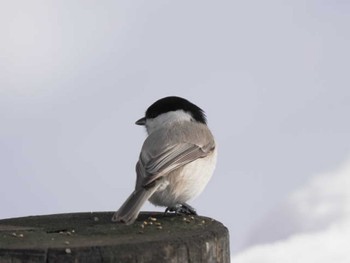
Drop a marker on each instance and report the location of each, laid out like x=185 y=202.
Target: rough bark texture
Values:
x=92 y=237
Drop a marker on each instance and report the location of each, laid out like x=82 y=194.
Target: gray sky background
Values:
x=272 y=76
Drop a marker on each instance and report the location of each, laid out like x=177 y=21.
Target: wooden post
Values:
x=92 y=237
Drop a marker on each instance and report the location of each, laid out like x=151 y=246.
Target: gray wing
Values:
x=172 y=157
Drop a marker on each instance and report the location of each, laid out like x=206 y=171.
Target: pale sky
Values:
x=272 y=76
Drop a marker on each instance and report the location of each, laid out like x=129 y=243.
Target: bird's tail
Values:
x=129 y=211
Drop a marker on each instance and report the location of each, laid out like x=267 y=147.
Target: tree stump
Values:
x=92 y=237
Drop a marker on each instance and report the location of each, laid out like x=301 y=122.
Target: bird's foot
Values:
x=181 y=209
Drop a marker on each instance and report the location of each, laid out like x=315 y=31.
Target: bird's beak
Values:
x=141 y=121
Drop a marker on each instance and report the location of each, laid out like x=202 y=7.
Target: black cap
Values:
x=173 y=103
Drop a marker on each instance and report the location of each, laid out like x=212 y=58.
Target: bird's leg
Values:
x=171 y=209
x=167 y=210
x=184 y=209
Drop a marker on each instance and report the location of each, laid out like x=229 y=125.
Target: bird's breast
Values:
x=185 y=183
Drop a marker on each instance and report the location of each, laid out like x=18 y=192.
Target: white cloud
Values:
x=317 y=219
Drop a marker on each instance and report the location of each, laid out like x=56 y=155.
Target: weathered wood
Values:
x=92 y=237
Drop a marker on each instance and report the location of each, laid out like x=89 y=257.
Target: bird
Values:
x=176 y=161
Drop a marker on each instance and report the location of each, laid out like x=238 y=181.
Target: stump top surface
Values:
x=79 y=230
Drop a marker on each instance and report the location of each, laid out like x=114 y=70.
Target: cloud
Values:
x=330 y=245
x=312 y=225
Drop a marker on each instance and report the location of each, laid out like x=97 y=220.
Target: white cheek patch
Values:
x=167 y=118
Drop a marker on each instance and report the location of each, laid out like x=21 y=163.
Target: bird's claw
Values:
x=182 y=209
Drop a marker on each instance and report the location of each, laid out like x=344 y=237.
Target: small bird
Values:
x=176 y=161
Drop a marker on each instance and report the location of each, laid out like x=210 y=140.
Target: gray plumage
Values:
x=176 y=161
